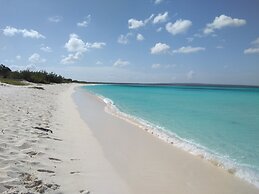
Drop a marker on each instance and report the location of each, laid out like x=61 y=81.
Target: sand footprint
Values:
x=75 y=172
x=84 y=191
x=55 y=159
x=47 y=171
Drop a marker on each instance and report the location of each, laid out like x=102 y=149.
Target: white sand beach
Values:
x=61 y=140
x=47 y=148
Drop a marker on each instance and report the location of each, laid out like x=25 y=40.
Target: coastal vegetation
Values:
x=18 y=77
x=12 y=81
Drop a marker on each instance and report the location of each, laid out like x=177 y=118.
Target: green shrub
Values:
x=32 y=76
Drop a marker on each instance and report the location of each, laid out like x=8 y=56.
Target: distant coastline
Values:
x=175 y=84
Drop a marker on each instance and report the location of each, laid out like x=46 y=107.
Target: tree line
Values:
x=42 y=77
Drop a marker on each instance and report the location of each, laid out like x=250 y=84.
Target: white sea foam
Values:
x=247 y=173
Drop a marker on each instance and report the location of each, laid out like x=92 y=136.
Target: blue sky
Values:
x=197 y=41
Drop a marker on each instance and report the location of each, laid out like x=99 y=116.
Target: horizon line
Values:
x=173 y=84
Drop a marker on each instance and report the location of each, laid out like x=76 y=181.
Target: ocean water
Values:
x=219 y=123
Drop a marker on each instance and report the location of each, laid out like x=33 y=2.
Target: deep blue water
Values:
x=220 y=123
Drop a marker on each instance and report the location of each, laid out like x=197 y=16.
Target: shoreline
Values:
x=89 y=169
x=211 y=164
x=193 y=148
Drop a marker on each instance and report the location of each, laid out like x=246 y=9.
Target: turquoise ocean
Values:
x=219 y=123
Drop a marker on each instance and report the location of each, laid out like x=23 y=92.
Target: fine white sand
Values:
x=26 y=115
x=48 y=146
x=66 y=159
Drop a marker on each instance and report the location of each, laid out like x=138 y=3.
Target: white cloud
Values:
x=99 y=63
x=46 y=49
x=165 y=66
x=254 y=49
x=180 y=26
x=11 y=31
x=160 y=18
x=124 y=39
x=256 y=41
x=31 y=34
x=148 y=19
x=36 y=58
x=55 y=19
x=71 y=58
x=251 y=51
x=158 y=1
x=160 y=48
x=140 y=37
x=120 y=63
x=18 y=57
x=159 y=29
x=190 y=74
x=77 y=47
x=134 y=24
x=96 y=45
x=188 y=49
x=156 y=66
x=75 y=44
x=223 y=21
x=85 y=22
